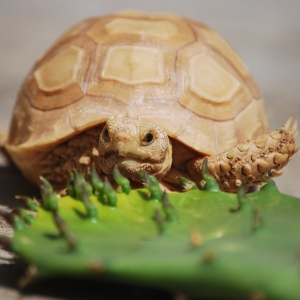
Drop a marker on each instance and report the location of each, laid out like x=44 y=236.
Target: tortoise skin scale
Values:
x=163 y=68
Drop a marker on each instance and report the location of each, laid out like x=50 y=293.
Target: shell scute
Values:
x=210 y=80
x=137 y=80
x=91 y=111
x=51 y=77
x=59 y=78
x=149 y=29
x=134 y=65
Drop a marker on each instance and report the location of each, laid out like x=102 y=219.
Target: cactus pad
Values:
x=202 y=243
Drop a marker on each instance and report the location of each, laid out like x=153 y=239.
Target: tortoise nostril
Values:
x=122 y=138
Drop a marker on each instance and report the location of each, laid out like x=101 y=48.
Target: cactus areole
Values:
x=145 y=92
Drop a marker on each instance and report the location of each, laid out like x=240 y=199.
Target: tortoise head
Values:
x=134 y=146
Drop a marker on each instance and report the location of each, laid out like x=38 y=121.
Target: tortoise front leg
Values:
x=249 y=161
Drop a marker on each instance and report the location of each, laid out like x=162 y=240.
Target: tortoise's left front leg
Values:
x=249 y=161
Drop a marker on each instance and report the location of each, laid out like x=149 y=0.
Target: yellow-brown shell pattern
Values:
x=162 y=68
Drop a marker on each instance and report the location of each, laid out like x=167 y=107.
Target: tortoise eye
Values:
x=105 y=135
x=148 y=139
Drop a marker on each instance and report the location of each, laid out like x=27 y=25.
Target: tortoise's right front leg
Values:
x=249 y=161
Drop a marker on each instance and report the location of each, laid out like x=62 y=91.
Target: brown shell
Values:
x=162 y=68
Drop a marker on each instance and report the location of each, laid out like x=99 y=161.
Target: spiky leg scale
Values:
x=249 y=161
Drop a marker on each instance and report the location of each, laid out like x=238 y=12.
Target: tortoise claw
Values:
x=288 y=122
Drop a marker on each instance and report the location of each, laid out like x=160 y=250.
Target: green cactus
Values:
x=202 y=243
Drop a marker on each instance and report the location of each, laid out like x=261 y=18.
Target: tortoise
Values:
x=145 y=92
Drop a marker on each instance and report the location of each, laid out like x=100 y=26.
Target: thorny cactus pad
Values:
x=203 y=243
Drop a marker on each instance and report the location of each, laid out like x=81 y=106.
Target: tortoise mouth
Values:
x=124 y=161
x=129 y=165
x=129 y=160
x=129 y=156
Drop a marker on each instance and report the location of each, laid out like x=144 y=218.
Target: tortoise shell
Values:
x=163 y=68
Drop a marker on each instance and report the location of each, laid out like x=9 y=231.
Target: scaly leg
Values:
x=249 y=161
